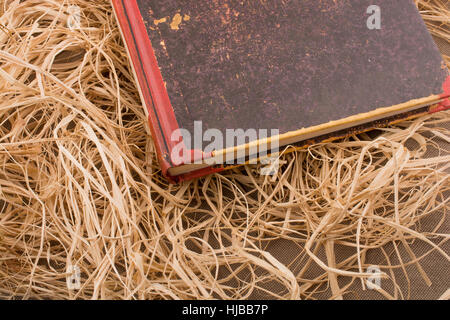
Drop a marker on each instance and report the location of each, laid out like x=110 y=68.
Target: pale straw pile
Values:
x=80 y=187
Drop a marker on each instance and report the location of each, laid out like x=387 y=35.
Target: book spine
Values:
x=161 y=117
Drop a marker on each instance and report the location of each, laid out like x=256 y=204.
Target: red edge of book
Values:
x=156 y=99
x=160 y=112
x=445 y=103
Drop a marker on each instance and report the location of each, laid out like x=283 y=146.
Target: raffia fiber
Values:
x=80 y=186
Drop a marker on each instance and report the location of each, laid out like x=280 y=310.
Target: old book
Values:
x=213 y=73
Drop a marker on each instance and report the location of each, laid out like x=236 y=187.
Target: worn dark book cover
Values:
x=311 y=69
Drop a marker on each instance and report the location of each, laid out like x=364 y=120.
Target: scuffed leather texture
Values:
x=288 y=64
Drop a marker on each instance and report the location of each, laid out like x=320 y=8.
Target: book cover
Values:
x=312 y=70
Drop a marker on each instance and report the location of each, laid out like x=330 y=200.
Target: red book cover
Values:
x=314 y=70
